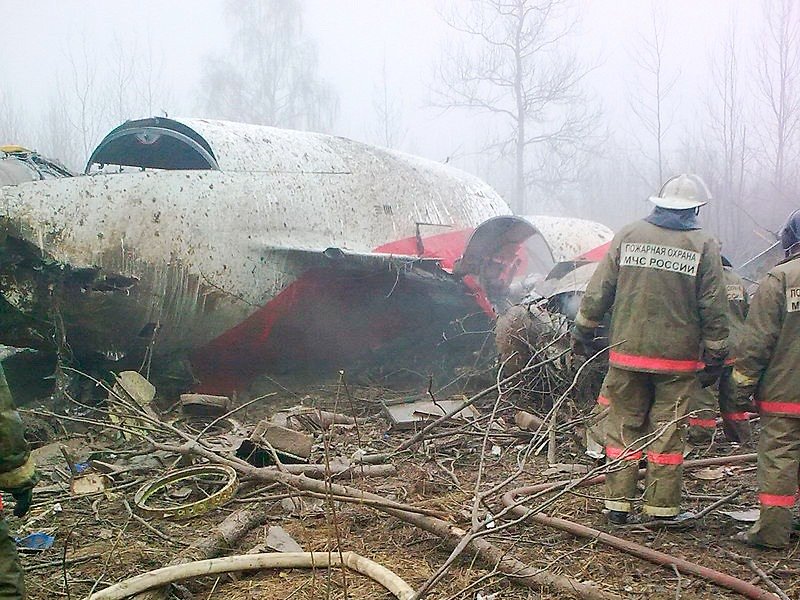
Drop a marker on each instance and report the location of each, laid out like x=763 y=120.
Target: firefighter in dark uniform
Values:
x=735 y=418
x=768 y=369
x=662 y=281
x=17 y=477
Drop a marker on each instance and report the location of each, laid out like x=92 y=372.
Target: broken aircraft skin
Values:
x=18 y=164
x=245 y=248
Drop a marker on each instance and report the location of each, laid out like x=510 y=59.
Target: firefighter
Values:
x=18 y=478
x=735 y=417
x=662 y=281
x=766 y=368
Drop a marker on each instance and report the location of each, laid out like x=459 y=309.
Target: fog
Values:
x=382 y=72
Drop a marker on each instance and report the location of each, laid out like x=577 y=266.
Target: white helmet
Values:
x=682 y=192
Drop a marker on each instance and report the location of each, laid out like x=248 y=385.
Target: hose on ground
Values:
x=730 y=582
x=250 y=562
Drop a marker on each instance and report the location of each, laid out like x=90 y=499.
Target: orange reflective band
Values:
x=793 y=408
x=665 y=459
x=737 y=416
x=603 y=401
x=708 y=423
x=776 y=500
x=656 y=364
x=612 y=452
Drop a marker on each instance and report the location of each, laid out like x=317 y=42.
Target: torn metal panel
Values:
x=410 y=413
x=18 y=165
x=573 y=280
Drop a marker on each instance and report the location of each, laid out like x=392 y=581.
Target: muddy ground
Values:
x=98 y=542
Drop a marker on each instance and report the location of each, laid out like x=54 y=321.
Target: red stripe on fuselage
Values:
x=327 y=313
x=447 y=247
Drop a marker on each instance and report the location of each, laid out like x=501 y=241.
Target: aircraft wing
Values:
x=350 y=261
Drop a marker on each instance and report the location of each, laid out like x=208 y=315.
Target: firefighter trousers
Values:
x=778 y=461
x=12 y=584
x=703 y=422
x=595 y=430
x=647 y=413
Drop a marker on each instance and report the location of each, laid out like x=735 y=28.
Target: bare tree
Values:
x=388 y=129
x=133 y=81
x=779 y=84
x=513 y=65
x=84 y=107
x=10 y=122
x=653 y=86
x=55 y=136
x=725 y=145
x=269 y=75
x=153 y=94
x=120 y=85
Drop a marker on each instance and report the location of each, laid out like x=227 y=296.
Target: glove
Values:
x=714 y=358
x=710 y=375
x=582 y=341
x=19 y=483
x=24 y=499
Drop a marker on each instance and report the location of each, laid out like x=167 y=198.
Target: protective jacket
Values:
x=16 y=472
x=738 y=306
x=666 y=289
x=14 y=451
x=768 y=353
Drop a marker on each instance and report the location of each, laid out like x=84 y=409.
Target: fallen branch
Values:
x=654 y=556
x=759 y=572
x=451 y=535
x=422 y=433
x=59 y=562
x=220 y=539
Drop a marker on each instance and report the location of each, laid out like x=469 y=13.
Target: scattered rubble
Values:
x=427 y=505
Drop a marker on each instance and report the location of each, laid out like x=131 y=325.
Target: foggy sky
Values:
x=354 y=37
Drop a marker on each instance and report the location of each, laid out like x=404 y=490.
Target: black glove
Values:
x=582 y=341
x=710 y=375
x=24 y=499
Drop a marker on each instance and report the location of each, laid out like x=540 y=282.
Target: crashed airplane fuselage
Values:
x=239 y=246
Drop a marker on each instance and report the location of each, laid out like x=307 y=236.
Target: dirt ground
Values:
x=98 y=542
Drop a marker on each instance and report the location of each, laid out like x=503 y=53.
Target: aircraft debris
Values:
x=205 y=405
x=225 y=481
x=279 y=540
x=88 y=483
x=412 y=412
x=270 y=443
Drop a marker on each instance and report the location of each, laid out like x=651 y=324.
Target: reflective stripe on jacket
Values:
x=768 y=353
x=666 y=293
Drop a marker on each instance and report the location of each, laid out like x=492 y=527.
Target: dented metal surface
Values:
x=568 y=237
x=171 y=260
